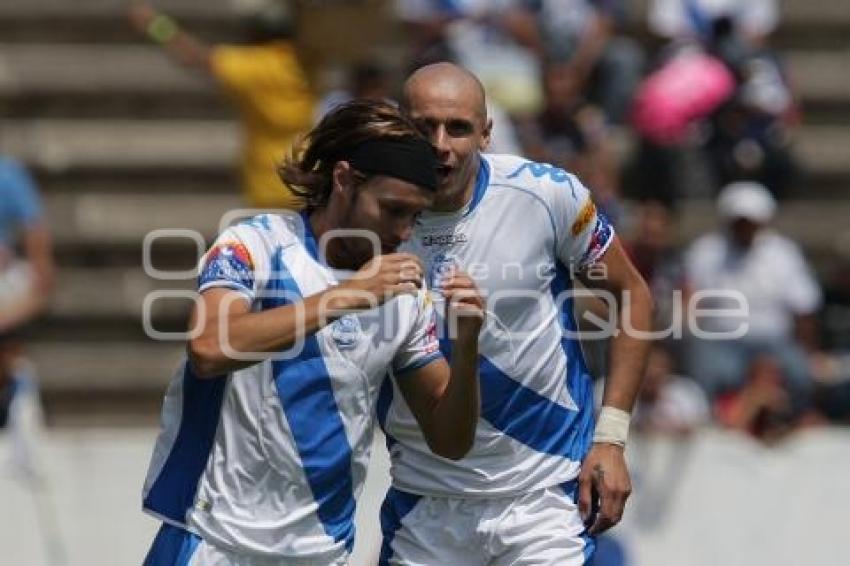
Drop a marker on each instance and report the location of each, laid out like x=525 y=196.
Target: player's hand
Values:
x=464 y=304
x=387 y=276
x=604 y=475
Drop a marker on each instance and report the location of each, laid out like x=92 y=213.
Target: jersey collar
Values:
x=482 y=180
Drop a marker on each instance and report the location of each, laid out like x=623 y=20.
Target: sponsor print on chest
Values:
x=495 y=263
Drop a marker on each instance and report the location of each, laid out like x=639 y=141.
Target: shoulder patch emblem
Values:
x=585 y=215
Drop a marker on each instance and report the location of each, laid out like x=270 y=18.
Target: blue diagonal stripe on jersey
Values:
x=482 y=180
x=579 y=379
x=172 y=546
x=306 y=395
x=523 y=414
x=173 y=492
x=528 y=417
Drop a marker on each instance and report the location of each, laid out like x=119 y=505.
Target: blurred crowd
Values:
x=704 y=105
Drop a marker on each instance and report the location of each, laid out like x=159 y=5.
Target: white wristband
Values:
x=612 y=426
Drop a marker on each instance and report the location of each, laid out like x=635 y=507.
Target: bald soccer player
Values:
x=539 y=482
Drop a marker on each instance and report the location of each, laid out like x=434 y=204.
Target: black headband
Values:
x=409 y=159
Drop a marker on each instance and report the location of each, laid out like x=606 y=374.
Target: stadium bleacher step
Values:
x=105 y=21
x=820 y=75
x=34 y=11
x=122 y=145
x=120 y=294
x=105 y=366
x=88 y=81
x=125 y=219
x=59 y=147
x=91 y=69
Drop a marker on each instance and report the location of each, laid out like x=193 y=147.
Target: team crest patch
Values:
x=229 y=261
x=441 y=267
x=346 y=332
x=585 y=216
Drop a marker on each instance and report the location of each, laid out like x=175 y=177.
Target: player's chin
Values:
x=445 y=174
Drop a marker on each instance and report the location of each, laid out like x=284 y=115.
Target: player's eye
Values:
x=458 y=128
x=394 y=211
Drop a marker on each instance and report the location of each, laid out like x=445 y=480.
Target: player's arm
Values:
x=162 y=29
x=227 y=326
x=33 y=237
x=604 y=470
x=37 y=251
x=587 y=241
x=445 y=399
x=615 y=273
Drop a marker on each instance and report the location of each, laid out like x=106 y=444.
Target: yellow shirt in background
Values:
x=275 y=101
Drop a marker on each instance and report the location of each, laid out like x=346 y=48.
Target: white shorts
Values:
x=539 y=528
x=174 y=546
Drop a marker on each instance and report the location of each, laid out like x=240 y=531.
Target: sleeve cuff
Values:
x=418 y=363
x=241 y=289
x=597 y=251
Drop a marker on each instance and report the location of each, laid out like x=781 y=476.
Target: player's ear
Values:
x=485 y=135
x=343 y=179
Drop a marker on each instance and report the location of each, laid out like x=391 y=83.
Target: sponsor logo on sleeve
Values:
x=585 y=216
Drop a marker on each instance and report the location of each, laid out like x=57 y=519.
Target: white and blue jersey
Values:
x=268 y=460
x=527 y=229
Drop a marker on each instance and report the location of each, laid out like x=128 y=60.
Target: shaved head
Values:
x=446 y=102
x=449 y=81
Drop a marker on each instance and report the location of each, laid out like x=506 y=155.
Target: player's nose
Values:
x=440 y=140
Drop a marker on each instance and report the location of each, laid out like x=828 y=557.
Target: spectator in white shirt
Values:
x=769 y=272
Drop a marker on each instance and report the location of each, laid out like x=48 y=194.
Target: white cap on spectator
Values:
x=746 y=199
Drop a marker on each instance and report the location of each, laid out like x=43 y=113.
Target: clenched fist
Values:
x=387 y=276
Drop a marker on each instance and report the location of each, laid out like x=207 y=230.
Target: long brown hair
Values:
x=309 y=168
